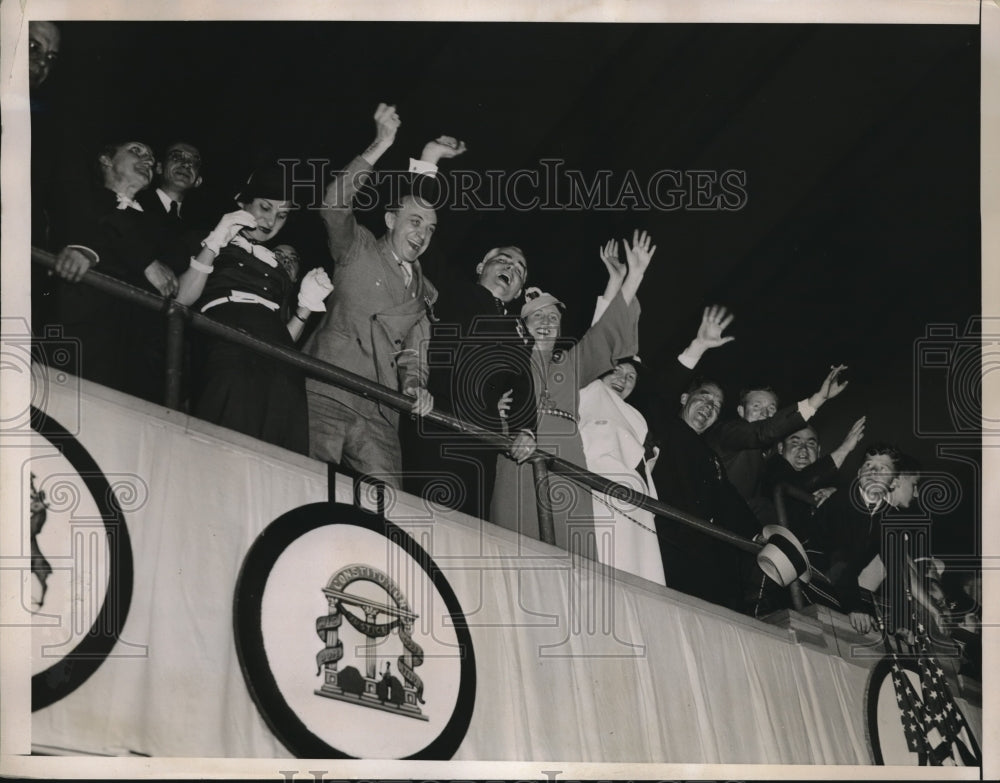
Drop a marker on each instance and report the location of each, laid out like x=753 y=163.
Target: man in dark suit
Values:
x=797 y=463
x=853 y=523
x=689 y=476
x=796 y=482
x=743 y=442
x=177 y=175
x=109 y=229
x=478 y=351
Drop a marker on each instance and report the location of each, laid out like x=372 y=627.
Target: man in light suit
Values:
x=377 y=321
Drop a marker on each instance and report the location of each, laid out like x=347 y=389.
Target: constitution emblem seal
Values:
x=351 y=640
x=79 y=586
x=385 y=692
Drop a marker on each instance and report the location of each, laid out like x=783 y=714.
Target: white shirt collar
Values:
x=124 y=202
x=257 y=251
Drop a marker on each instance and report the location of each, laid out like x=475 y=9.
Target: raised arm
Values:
x=439 y=149
x=830 y=387
x=191 y=283
x=637 y=255
x=337 y=212
x=854 y=436
x=714 y=321
x=615 y=332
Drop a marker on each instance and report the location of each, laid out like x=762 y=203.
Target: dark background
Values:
x=860 y=144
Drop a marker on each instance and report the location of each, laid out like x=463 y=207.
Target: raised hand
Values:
x=387 y=122
x=228 y=227
x=639 y=253
x=442 y=147
x=314 y=289
x=616 y=269
x=714 y=321
x=855 y=434
x=853 y=437
x=609 y=255
x=830 y=388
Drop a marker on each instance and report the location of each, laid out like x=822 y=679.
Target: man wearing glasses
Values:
x=177 y=175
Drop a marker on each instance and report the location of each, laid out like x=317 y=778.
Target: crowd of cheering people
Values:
x=487 y=349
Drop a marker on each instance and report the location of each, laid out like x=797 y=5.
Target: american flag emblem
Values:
x=933 y=725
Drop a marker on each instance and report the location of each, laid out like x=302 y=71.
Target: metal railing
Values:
x=542 y=462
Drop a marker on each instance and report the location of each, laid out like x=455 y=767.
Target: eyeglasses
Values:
x=179 y=156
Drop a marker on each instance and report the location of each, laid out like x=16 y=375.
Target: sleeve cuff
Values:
x=91 y=254
x=687 y=360
x=806 y=411
x=422 y=167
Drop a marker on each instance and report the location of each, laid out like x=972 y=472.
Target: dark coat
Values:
x=690 y=476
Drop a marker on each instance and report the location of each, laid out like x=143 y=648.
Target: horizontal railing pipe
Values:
x=396 y=400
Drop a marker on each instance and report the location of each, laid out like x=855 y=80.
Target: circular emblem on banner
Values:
x=79 y=587
x=912 y=718
x=351 y=641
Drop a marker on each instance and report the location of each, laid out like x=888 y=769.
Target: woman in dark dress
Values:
x=238 y=281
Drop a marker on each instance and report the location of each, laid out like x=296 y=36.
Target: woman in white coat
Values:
x=614 y=437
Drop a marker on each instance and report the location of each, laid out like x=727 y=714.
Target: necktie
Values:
x=175 y=209
x=407 y=272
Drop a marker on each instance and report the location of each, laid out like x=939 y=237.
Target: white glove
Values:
x=315 y=287
x=229 y=226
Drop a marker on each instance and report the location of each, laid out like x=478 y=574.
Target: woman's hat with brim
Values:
x=270 y=182
x=536 y=299
x=635 y=361
x=783 y=558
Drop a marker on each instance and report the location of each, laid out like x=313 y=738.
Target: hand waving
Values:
x=639 y=254
x=616 y=269
x=831 y=387
x=714 y=321
x=855 y=434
